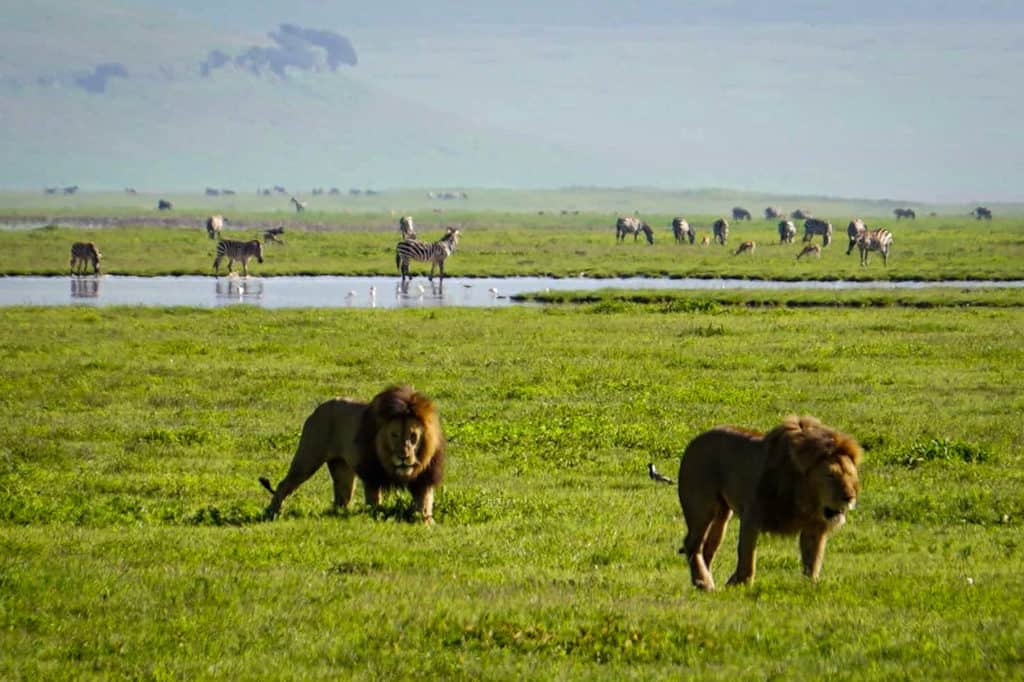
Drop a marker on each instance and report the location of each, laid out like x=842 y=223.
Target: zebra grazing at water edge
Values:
x=746 y=247
x=787 y=231
x=238 y=251
x=681 y=230
x=874 y=240
x=435 y=254
x=854 y=230
x=720 y=228
x=84 y=254
x=633 y=226
x=406 y=227
x=813 y=226
x=214 y=224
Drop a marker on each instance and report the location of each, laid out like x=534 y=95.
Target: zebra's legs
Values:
x=245 y=267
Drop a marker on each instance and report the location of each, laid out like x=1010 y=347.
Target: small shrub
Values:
x=943 y=450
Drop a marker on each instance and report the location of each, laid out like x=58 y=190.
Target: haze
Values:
x=903 y=100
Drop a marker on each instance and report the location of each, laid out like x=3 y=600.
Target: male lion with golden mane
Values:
x=800 y=477
x=395 y=441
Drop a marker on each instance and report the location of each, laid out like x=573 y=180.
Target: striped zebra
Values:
x=874 y=240
x=633 y=226
x=238 y=251
x=214 y=224
x=681 y=230
x=813 y=226
x=406 y=227
x=435 y=254
x=787 y=231
x=83 y=254
x=854 y=230
x=720 y=228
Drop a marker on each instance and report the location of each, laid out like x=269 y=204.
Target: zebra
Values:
x=720 y=229
x=854 y=230
x=633 y=226
x=681 y=230
x=773 y=212
x=274 y=234
x=300 y=206
x=746 y=247
x=406 y=227
x=874 y=240
x=810 y=249
x=904 y=213
x=435 y=254
x=82 y=254
x=787 y=231
x=982 y=213
x=740 y=213
x=238 y=251
x=214 y=224
x=813 y=226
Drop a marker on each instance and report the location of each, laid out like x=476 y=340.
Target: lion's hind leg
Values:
x=703 y=525
x=309 y=457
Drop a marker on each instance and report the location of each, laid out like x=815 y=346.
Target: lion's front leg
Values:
x=344 y=481
x=371 y=494
x=812 y=551
x=424 y=501
x=745 y=564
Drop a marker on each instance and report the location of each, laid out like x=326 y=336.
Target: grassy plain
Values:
x=130 y=544
x=516 y=243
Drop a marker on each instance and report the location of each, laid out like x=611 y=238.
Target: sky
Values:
x=900 y=99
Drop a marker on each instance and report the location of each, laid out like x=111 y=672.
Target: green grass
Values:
x=133 y=438
x=509 y=244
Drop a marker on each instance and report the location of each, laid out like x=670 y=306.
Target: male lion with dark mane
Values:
x=395 y=441
x=800 y=477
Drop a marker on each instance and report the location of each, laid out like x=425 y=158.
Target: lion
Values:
x=801 y=477
x=394 y=441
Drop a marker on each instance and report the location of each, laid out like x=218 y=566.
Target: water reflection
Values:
x=85 y=287
x=231 y=289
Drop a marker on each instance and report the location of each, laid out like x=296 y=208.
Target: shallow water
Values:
x=367 y=292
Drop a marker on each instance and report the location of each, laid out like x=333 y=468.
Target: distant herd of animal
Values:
x=410 y=248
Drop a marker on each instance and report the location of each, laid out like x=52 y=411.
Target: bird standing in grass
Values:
x=655 y=476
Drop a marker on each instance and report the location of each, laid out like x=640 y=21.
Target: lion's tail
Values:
x=265 y=482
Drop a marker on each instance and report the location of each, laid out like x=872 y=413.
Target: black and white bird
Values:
x=655 y=476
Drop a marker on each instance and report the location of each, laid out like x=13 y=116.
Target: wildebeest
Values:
x=720 y=228
x=740 y=213
x=813 y=226
x=84 y=254
x=681 y=230
x=212 y=192
x=787 y=231
x=772 y=212
x=634 y=226
x=214 y=224
x=904 y=213
x=800 y=214
x=71 y=189
x=982 y=213
x=854 y=230
x=164 y=205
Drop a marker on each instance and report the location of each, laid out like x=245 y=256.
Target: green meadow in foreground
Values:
x=517 y=244
x=131 y=546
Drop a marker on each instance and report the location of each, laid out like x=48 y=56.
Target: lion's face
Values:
x=400 y=445
x=835 y=486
